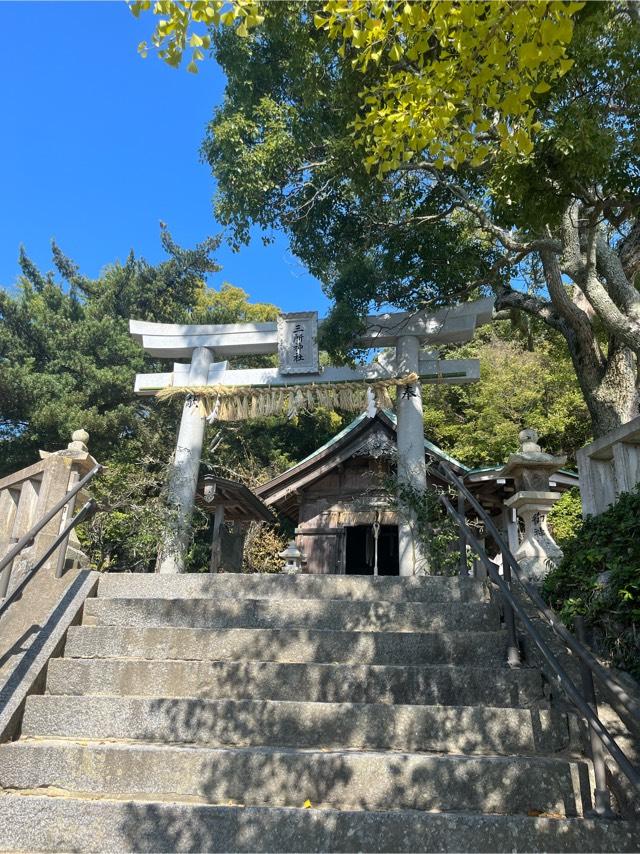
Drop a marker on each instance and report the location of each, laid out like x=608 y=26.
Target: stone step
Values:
x=42 y=823
x=277 y=777
x=280 y=586
x=266 y=680
x=218 y=723
x=286 y=645
x=326 y=614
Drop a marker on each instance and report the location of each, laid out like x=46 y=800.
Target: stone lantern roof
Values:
x=531 y=467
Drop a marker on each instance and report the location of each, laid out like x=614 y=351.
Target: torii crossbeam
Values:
x=294 y=338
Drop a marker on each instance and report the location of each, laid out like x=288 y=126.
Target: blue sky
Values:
x=98 y=145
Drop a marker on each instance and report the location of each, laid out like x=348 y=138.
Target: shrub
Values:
x=261 y=549
x=565 y=518
x=599 y=577
x=437 y=533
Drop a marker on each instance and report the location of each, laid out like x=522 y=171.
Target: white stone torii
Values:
x=403 y=331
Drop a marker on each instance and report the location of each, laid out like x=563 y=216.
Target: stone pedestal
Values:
x=538 y=551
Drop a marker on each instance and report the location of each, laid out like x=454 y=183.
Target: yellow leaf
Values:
x=565 y=65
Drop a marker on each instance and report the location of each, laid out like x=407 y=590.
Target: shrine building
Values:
x=338 y=492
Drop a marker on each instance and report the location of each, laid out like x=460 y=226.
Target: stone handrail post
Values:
x=27 y=495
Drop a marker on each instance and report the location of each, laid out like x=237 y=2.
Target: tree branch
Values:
x=626 y=328
x=609 y=266
x=504 y=236
x=533 y=305
x=561 y=300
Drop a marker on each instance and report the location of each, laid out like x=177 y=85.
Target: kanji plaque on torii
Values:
x=298 y=343
x=299 y=380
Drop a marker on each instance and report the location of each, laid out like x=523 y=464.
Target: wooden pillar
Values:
x=216 y=545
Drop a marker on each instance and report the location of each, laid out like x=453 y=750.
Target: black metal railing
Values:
x=60 y=541
x=584 y=698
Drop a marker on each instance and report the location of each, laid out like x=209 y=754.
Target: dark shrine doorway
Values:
x=360 y=550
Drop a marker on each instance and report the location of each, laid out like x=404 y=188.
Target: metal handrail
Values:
x=585 y=705
x=85 y=511
x=612 y=688
x=31 y=534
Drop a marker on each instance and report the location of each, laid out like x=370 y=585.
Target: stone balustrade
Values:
x=608 y=467
x=27 y=495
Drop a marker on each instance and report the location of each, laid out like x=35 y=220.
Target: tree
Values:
x=453 y=77
x=67 y=358
x=283 y=156
x=522 y=384
x=422 y=232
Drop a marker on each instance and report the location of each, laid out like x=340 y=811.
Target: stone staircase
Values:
x=295 y=713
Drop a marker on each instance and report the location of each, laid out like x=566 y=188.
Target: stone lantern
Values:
x=293 y=559
x=531 y=469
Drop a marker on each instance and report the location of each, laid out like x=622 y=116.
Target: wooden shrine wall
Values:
x=350 y=494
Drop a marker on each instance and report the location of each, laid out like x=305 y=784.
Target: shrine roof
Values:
x=338 y=449
x=492 y=488
x=488 y=469
x=239 y=502
x=430 y=446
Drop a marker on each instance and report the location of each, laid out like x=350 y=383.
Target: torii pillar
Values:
x=185 y=466
x=412 y=469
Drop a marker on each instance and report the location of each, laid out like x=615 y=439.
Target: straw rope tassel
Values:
x=241 y=403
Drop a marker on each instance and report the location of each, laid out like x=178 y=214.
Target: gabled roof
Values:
x=239 y=502
x=334 y=452
x=429 y=446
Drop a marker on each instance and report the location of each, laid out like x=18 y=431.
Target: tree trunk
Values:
x=610 y=389
x=629 y=252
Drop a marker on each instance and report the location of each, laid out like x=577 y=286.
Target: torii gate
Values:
x=294 y=337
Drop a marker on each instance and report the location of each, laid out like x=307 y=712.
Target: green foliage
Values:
x=610 y=603
x=132 y=518
x=565 y=517
x=449 y=76
x=436 y=530
x=590 y=135
x=518 y=387
x=455 y=81
x=258 y=450
x=67 y=358
x=262 y=547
